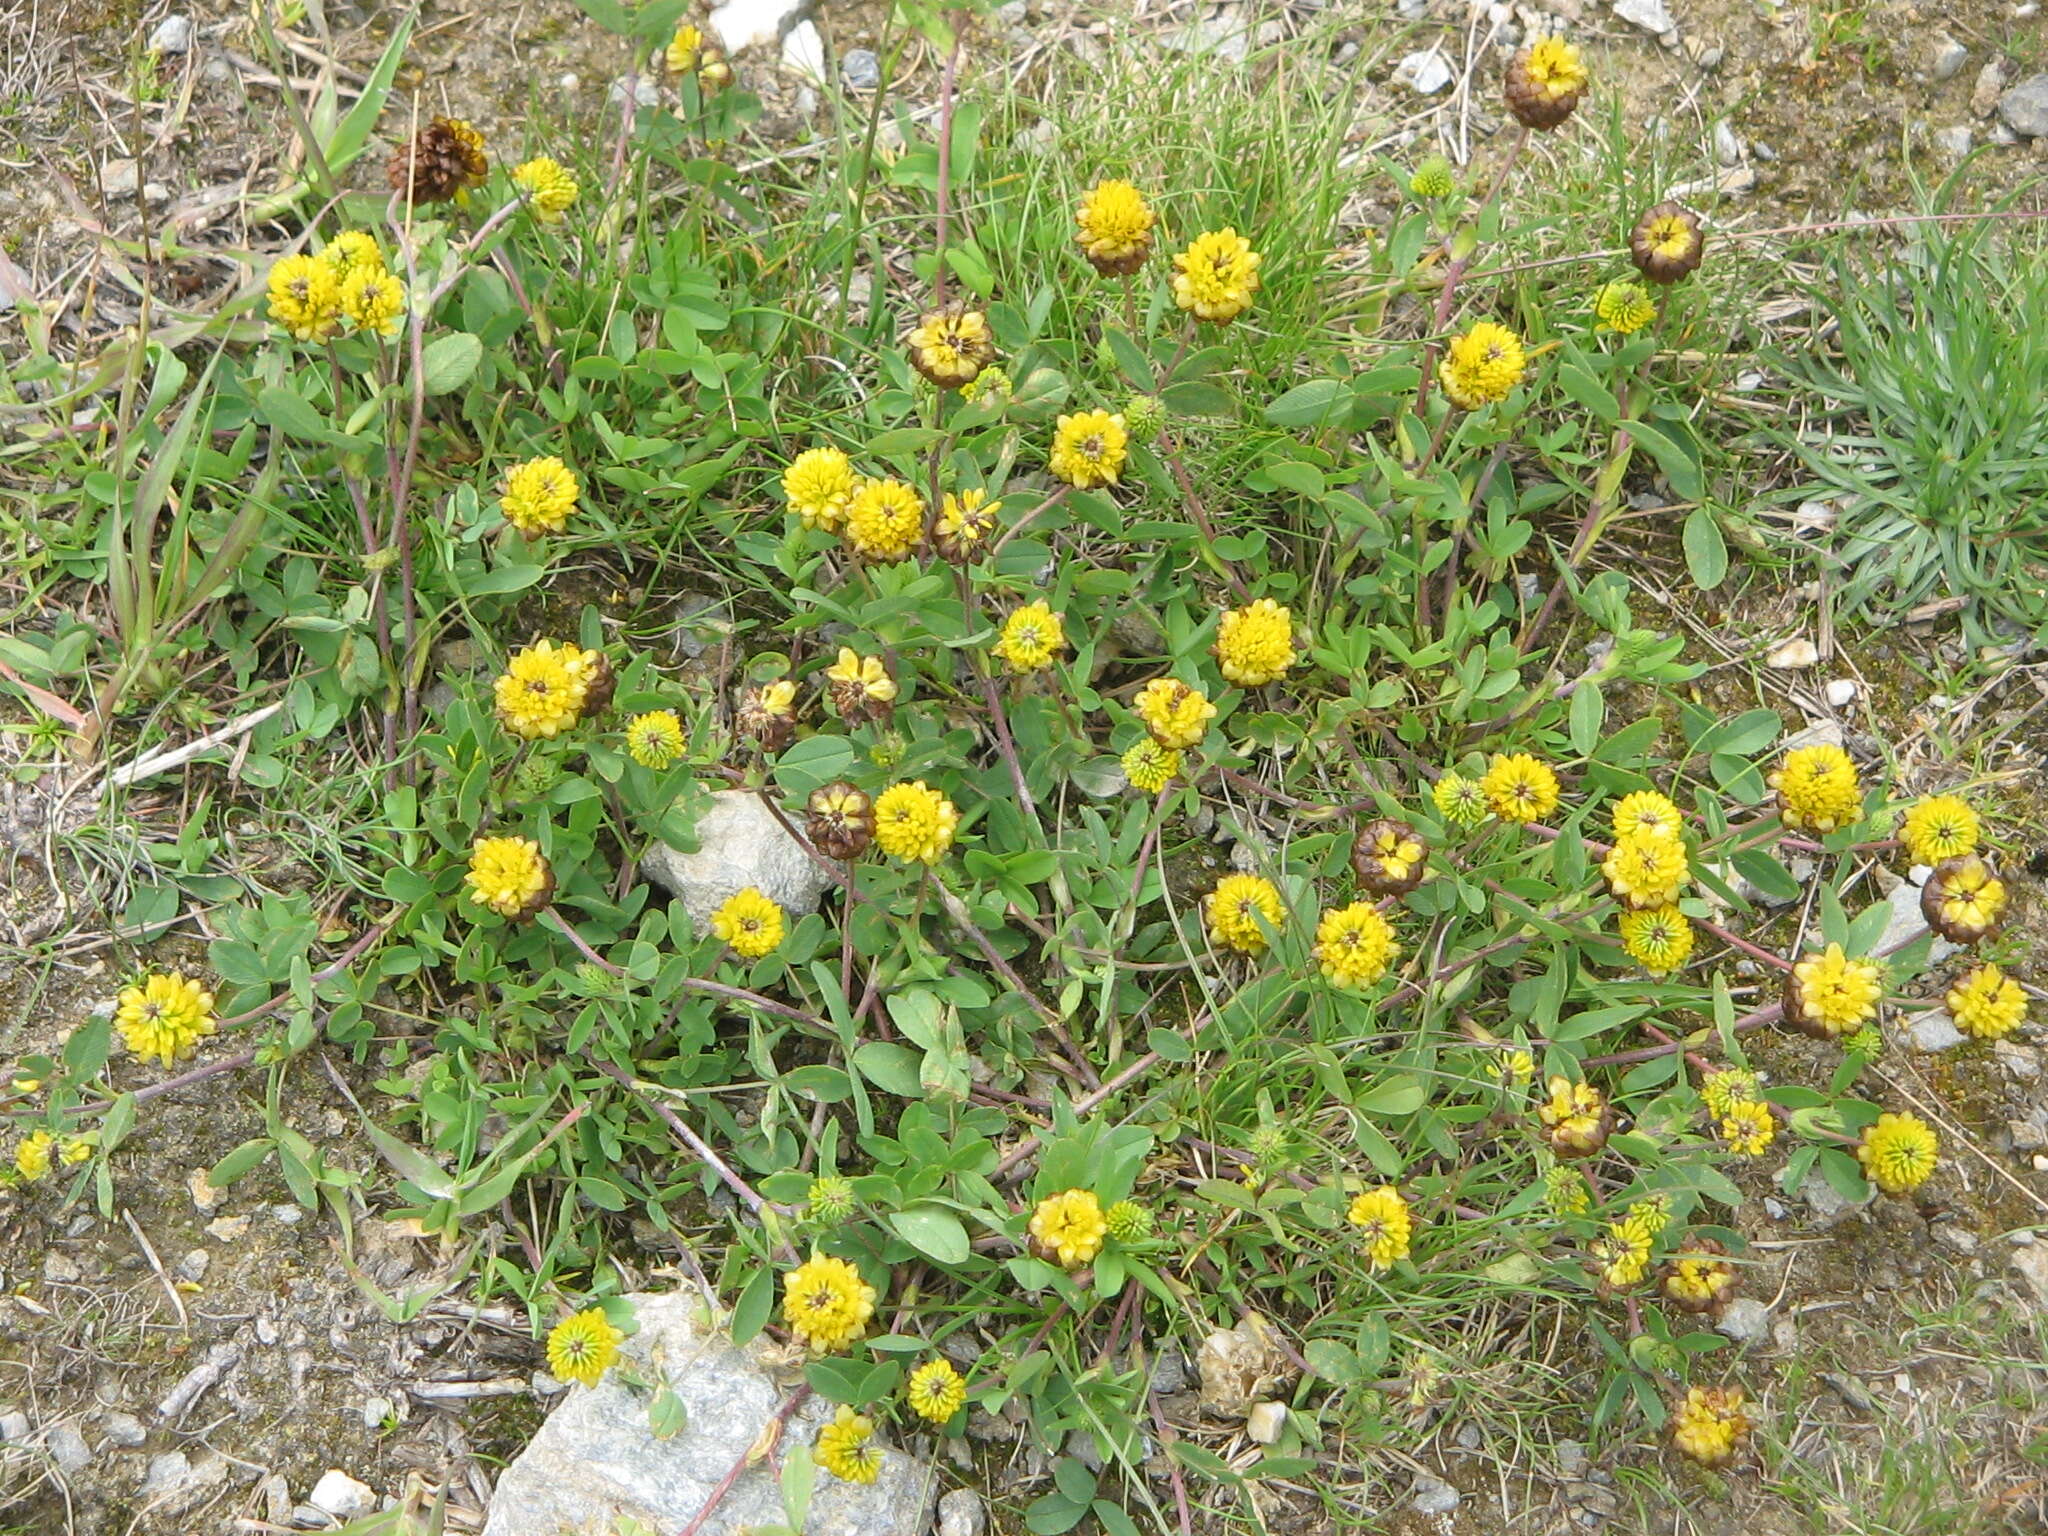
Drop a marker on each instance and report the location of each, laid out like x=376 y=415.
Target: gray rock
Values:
x=2032 y=1264
x=1224 y=36
x=1413 y=10
x=1946 y=58
x=1170 y=1371
x=1571 y=1458
x=645 y=93
x=1933 y=1031
x=167 y=1473
x=1265 y=1423
x=1727 y=145
x=739 y=843
x=1650 y=15
x=1905 y=924
x=341 y=1496
x=803 y=51
x=742 y=24
x=2024 y=108
x=1432 y=1495
x=1953 y=143
x=193 y=1266
x=123 y=1429
x=2022 y=1063
x=172 y=35
x=596 y=1459
x=15 y=1428
x=961 y=1513
x=1990 y=81
x=1954 y=1238
x=1828 y=1203
x=1745 y=1320
x=861 y=69
x=61 y=1269
x=68 y=1449
x=1425 y=72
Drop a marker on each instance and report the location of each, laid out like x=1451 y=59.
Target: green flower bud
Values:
x=1144 y=417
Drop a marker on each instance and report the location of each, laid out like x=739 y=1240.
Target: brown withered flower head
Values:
x=443 y=160
x=600 y=682
x=951 y=346
x=1576 y=1118
x=1545 y=83
x=840 y=821
x=1389 y=857
x=1963 y=900
x=767 y=715
x=1667 y=243
x=1699 y=1277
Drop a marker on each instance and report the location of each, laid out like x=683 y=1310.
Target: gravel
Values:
x=1946 y=58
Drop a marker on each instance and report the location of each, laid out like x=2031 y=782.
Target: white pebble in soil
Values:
x=1650 y=15
x=1425 y=72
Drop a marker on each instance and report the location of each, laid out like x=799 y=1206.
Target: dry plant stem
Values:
x=947 y=80
x=701 y=1147
x=963 y=920
x=568 y=930
x=1026 y=520
x=1180 y=1488
x=738 y=1469
x=1113 y=1086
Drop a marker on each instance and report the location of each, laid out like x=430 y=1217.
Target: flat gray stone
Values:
x=1424 y=72
x=961 y=1513
x=69 y=1450
x=739 y=843
x=1432 y=1495
x=1933 y=1031
x=861 y=69
x=172 y=35
x=2032 y=1264
x=1829 y=1204
x=341 y=1496
x=596 y=1459
x=1953 y=143
x=1650 y=15
x=1946 y=57
x=2024 y=108
x=123 y=1429
x=1745 y=1320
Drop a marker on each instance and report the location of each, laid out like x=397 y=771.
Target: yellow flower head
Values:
x=1088 y=449
x=1646 y=869
x=305 y=297
x=749 y=922
x=350 y=250
x=1566 y=1191
x=1460 y=801
x=915 y=823
x=1898 y=1153
x=1177 y=716
x=1963 y=899
x=509 y=876
x=1748 y=1128
x=1709 y=1424
x=1129 y=1222
x=1388 y=857
x=1482 y=366
x=539 y=495
x=1832 y=994
x=582 y=1348
x=1646 y=811
x=885 y=520
x=373 y=300
x=164 y=1017
x=843 y=1448
x=1728 y=1086
x=1623 y=307
x=1556 y=68
x=655 y=740
x=819 y=485
x=543 y=689
x=1987 y=1004
x=965 y=522
x=767 y=714
x=1068 y=1229
x=1659 y=939
x=1700 y=1277
x=992 y=385
x=1940 y=827
x=1622 y=1258
x=1817 y=789
x=1355 y=945
x=1033 y=636
x=78 y=1149
x=1150 y=767
x=1230 y=908
x=935 y=1391
x=1216 y=276
x=32 y=1156
x=1651 y=1214
x=1519 y=788
x=951 y=346
x=1115 y=228
x=1512 y=1067
x=683 y=50
x=826 y=1304
x=1667 y=244
x=1384 y=1225
x=549 y=188
x=1255 y=645
x=861 y=686
x=1576 y=1117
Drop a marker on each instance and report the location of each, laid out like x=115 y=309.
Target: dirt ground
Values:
x=199 y=1358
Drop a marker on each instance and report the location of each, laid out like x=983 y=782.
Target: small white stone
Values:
x=1265 y=1422
x=1841 y=692
x=1947 y=58
x=1934 y=1031
x=803 y=52
x=748 y=23
x=227 y=1229
x=1650 y=15
x=1791 y=655
x=341 y=1496
x=645 y=92
x=172 y=35
x=1728 y=148
x=1425 y=72
x=193 y=1266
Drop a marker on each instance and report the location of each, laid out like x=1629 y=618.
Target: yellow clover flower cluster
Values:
x=1460 y=801
x=1647 y=869
x=1234 y=908
x=655 y=739
x=1068 y=1229
x=750 y=922
x=1482 y=366
x=1114 y=228
x=1940 y=827
x=165 y=1016
x=1255 y=644
x=344 y=287
x=1089 y=448
x=581 y=1348
x=508 y=876
x=1177 y=716
x=1898 y=1153
x=843 y=1447
x=539 y=496
x=1832 y=994
x=1355 y=945
x=826 y=1303
x=550 y=189
x=544 y=689
x=1216 y=276
x=1150 y=767
x=935 y=1391
x=1710 y=1424
x=1033 y=637
x=1818 y=789
x=1659 y=939
x=1519 y=788
x=1986 y=1004
x=1623 y=307
x=1385 y=1225
x=915 y=823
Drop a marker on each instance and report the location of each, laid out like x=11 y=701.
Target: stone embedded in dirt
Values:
x=1225 y=36
x=597 y=1458
x=1650 y=15
x=123 y=1429
x=172 y=35
x=61 y=1269
x=1946 y=57
x=1264 y=1424
x=2024 y=108
x=1829 y=1204
x=861 y=69
x=748 y=23
x=68 y=1449
x=1432 y=1495
x=341 y=1496
x=803 y=52
x=1238 y=1366
x=961 y=1513
x=739 y=843
x=1990 y=81
x=645 y=92
x=1425 y=72
x=15 y=1428
x=1790 y=655
x=2032 y=1264
x=1934 y=1031
x=1745 y=1320
x=1840 y=693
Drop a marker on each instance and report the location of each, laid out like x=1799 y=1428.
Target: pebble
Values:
x=2024 y=108
x=341 y=1496
x=266 y=1330
x=168 y=1471
x=1413 y=10
x=1990 y=81
x=1953 y=143
x=803 y=51
x=1433 y=1496
x=277 y=1498
x=861 y=69
x=61 y=1269
x=1263 y=1425
x=1727 y=145
x=745 y=23
x=285 y=1214
x=1947 y=58
x=14 y=1428
x=644 y=93
x=172 y=35
x=1170 y=1372
x=1850 y=1391
x=1934 y=1031
x=1829 y=1204
x=1954 y=1238
x=2032 y=1264
x=193 y=1266
x=961 y=1513
x=1650 y=15
x=1840 y=692
x=1571 y=1458
x=2020 y=1062
x=227 y=1229
x=1791 y=655
x=1745 y=1320
x=1425 y=72
x=68 y=1449
x=376 y=1410
x=123 y=1429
